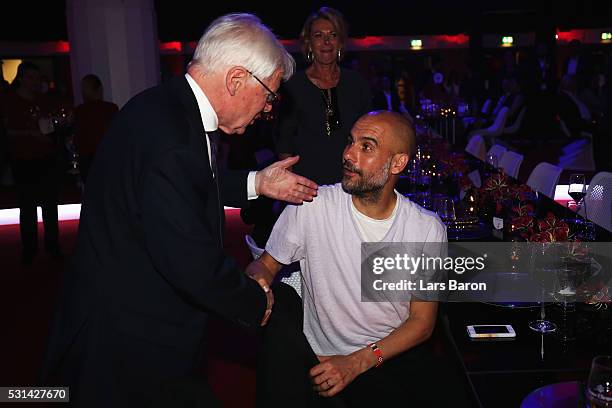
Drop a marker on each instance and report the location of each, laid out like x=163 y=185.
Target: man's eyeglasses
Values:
x=272 y=96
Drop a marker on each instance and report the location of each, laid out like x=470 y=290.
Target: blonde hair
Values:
x=325 y=13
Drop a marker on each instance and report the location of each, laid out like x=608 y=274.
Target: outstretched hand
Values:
x=277 y=182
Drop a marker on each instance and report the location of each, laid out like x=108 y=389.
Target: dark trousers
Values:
x=105 y=367
x=286 y=357
x=37 y=184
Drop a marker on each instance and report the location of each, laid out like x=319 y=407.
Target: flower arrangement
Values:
x=550 y=229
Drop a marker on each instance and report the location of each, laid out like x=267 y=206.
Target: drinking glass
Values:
x=492 y=160
x=577 y=190
x=413 y=176
x=599 y=384
x=445 y=208
x=543 y=268
x=586 y=232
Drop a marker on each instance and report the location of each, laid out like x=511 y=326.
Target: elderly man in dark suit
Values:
x=149 y=266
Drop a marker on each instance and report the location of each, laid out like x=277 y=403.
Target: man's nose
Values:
x=348 y=153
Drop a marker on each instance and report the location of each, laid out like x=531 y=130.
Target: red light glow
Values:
x=459 y=39
x=62 y=47
x=567 y=36
x=171 y=46
x=368 y=42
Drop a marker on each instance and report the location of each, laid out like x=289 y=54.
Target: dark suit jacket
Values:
x=148 y=267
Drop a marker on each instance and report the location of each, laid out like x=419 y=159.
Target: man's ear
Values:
x=399 y=163
x=235 y=79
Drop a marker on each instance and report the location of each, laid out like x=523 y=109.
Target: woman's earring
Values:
x=309 y=56
x=340 y=54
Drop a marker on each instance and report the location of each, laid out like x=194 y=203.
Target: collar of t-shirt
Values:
x=370 y=229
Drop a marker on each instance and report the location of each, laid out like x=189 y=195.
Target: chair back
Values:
x=476 y=147
x=544 y=178
x=486 y=106
x=255 y=250
x=516 y=125
x=497 y=127
x=597 y=205
x=498 y=151
x=291 y=278
x=510 y=163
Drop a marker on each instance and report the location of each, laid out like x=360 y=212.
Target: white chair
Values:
x=255 y=250
x=486 y=107
x=497 y=127
x=597 y=205
x=498 y=151
x=544 y=178
x=476 y=147
x=516 y=125
x=510 y=163
x=578 y=155
x=294 y=279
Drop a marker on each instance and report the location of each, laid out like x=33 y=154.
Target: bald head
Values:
x=398 y=131
x=379 y=148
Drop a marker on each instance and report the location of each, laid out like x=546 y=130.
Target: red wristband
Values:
x=378 y=352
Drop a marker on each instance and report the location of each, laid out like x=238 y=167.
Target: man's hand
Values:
x=277 y=182
x=264 y=277
x=269 y=304
x=334 y=373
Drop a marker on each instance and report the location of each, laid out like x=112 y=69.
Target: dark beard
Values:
x=368 y=187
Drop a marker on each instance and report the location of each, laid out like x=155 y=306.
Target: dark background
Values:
x=182 y=20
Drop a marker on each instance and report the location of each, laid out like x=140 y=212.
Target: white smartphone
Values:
x=480 y=331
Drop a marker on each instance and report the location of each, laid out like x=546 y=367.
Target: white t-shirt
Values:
x=370 y=229
x=324 y=236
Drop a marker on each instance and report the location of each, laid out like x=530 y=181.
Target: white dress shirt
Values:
x=210 y=121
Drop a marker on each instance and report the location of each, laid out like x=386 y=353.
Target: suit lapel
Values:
x=180 y=87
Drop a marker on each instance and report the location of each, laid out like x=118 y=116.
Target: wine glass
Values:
x=492 y=160
x=445 y=208
x=577 y=190
x=543 y=260
x=413 y=176
x=599 y=384
x=587 y=231
x=423 y=186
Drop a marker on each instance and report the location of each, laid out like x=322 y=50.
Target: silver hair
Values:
x=241 y=39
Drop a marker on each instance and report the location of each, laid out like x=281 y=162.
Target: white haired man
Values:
x=334 y=347
x=149 y=266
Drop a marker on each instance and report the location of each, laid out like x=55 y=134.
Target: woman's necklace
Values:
x=329 y=109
